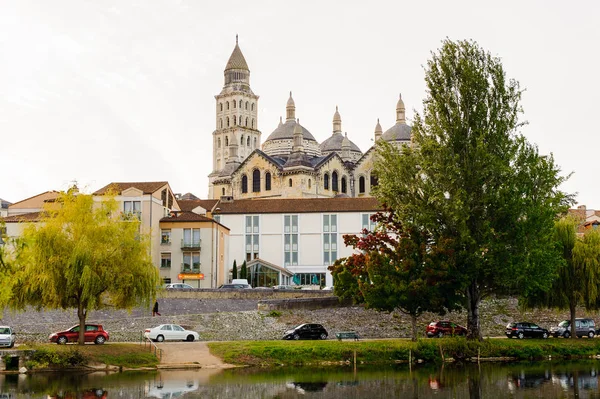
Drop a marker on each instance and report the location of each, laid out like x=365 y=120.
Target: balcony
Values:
x=185 y=268
x=190 y=244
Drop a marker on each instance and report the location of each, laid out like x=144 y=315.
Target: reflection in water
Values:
x=531 y=380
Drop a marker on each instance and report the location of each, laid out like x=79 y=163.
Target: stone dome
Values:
x=280 y=143
x=334 y=143
x=398 y=132
x=286 y=131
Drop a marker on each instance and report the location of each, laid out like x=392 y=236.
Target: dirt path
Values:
x=191 y=354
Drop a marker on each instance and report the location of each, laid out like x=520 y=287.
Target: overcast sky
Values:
x=123 y=90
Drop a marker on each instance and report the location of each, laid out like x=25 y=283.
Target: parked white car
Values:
x=7 y=337
x=178 y=285
x=170 y=332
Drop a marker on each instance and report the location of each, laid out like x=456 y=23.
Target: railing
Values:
x=190 y=268
x=190 y=244
x=148 y=343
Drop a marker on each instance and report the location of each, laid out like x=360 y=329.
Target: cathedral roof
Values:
x=286 y=131
x=237 y=60
x=399 y=132
x=334 y=143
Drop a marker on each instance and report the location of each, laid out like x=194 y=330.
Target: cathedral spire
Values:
x=290 y=109
x=400 y=111
x=298 y=138
x=236 y=70
x=378 y=131
x=345 y=148
x=337 y=122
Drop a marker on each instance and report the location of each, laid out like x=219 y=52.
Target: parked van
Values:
x=583 y=328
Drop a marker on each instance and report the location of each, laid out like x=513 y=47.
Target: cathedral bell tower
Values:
x=236 y=134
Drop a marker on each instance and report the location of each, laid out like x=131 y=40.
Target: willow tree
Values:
x=472 y=179
x=84 y=255
x=578 y=280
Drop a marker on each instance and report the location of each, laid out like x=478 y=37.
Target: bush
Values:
x=48 y=358
x=274 y=313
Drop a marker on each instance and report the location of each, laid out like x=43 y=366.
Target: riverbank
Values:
x=114 y=356
x=330 y=352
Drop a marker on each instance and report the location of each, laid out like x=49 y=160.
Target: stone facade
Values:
x=290 y=163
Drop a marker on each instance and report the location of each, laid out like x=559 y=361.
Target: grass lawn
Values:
x=270 y=353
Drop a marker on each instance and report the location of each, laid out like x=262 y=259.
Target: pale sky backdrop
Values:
x=123 y=90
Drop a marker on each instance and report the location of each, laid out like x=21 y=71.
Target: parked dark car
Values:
x=93 y=333
x=306 y=331
x=526 y=330
x=583 y=328
x=444 y=327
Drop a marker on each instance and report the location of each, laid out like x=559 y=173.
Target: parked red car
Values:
x=441 y=328
x=93 y=333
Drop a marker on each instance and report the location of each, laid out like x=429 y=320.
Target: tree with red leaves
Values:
x=397 y=268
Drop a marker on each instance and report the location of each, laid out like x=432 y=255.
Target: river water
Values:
x=562 y=379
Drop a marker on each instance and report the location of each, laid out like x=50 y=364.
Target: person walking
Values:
x=155 y=309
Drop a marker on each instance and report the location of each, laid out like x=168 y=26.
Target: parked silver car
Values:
x=7 y=337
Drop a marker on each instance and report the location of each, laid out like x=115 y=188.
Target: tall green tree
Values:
x=244 y=271
x=234 y=273
x=470 y=178
x=84 y=255
x=578 y=279
x=397 y=268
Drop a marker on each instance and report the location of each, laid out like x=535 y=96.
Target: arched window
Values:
x=219 y=143
x=244 y=184
x=227 y=121
x=268 y=181
x=234 y=120
x=344 y=184
x=226 y=141
x=246 y=105
x=309 y=183
x=252 y=123
x=334 y=181
x=240 y=104
x=227 y=105
x=248 y=141
x=234 y=103
x=242 y=140
x=252 y=106
x=374 y=180
x=246 y=122
x=326 y=181
x=220 y=106
x=361 y=185
x=223 y=191
x=255 y=142
x=256 y=181
x=290 y=182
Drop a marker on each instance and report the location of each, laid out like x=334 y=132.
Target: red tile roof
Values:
x=37 y=195
x=26 y=217
x=298 y=205
x=189 y=205
x=145 y=187
x=186 y=217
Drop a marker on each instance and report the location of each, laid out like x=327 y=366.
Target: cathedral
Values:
x=290 y=163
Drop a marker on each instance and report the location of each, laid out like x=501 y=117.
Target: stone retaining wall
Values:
x=239 y=319
x=302 y=303
x=257 y=294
